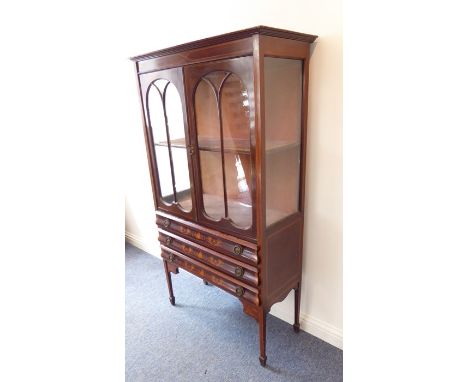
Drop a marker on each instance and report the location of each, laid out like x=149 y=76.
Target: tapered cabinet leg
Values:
x=297 y=307
x=262 y=336
x=169 y=284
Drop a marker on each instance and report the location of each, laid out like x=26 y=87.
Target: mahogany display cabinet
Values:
x=225 y=125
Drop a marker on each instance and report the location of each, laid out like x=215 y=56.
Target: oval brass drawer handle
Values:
x=239 y=271
x=168 y=240
x=239 y=291
x=238 y=249
x=166 y=223
x=171 y=257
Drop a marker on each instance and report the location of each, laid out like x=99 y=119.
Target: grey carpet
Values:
x=207 y=337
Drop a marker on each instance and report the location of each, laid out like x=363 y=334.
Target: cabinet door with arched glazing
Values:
x=168 y=141
x=222 y=113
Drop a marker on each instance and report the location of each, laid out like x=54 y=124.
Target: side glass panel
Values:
x=165 y=116
x=283 y=113
x=223 y=131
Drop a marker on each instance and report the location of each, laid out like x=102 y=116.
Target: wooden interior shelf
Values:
x=177 y=143
x=237 y=146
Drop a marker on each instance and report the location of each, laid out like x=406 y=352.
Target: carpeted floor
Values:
x=207 y=337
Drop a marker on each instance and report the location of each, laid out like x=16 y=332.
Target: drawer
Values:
x=222 y=243
x=235 y=287
x=226 y=264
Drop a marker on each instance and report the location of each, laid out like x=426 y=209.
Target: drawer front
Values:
x=234 y=268
x=235 y=287
x=210 y=240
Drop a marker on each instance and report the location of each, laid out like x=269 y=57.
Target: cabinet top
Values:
x=262 y=30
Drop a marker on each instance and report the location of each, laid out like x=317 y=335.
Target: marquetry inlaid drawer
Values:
x=226 y=264
x=229 y=284
x=239 y=249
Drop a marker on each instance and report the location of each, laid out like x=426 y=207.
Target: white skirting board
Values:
x=150 y=247
x=309 y=324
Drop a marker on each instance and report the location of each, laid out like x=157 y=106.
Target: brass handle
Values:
x=239 y=271
x=239 y=291
x=171 y=257
x=238 y=249
x=166 y=223
x=191 y=150
x=168 y=240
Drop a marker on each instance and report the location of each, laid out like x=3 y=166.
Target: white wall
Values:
x=154 y=28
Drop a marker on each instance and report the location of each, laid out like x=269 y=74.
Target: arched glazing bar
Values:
x=232 y=113
x=163 y=99
x=168 y=139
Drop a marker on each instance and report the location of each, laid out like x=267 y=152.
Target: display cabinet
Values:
x=225 y=125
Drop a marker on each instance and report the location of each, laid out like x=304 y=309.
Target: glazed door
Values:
x=221 y=105
x=169 y=144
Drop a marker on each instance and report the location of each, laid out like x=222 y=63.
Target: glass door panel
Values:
x=238 y=188
x=178 y=147
x=212 y=183
x=223 y=118
x=157 y=122
x=165 y=115
x=206 y=112
x=235 y=117
x=209 y=144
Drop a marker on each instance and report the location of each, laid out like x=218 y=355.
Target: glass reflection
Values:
x=235 y=114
